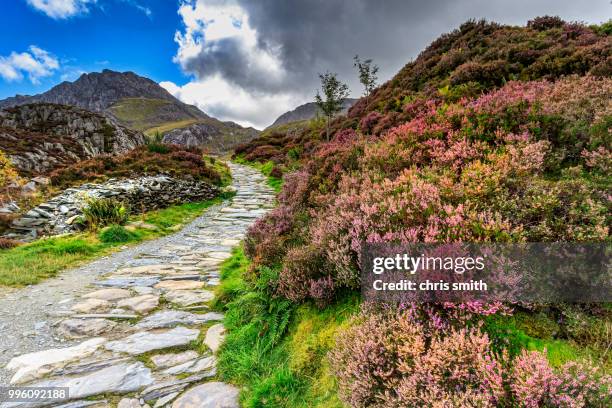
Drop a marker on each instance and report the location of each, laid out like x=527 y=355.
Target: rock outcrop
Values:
x=60 y=214
x=40 y=137
x=220 y=137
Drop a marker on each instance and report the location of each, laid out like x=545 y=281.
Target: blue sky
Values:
x=114 y=34
x=247 y=61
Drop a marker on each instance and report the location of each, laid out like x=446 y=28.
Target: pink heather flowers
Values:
x=397 y=360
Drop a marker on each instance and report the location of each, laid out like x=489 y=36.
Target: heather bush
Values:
x=176 y=161
x=400 y=360
x=369 y=121
x=534 y=383
x=516 y=164
x=396 y=360
x=7 y=243
x=305 y=273
x=545 y=23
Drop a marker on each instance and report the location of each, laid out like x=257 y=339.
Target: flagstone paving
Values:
x=121 y=332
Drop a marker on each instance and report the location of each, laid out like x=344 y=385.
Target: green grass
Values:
x=30 y=263
x=277 y=364
x=143 y=113
x=537 y=331
x=266 y=168
x=168 y=126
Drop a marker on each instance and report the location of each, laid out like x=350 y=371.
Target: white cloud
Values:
x=226 y=101
x=36 y=63
x=234 y=77
x=61 y=9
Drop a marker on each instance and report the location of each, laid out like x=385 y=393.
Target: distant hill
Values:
x=307 y=111
x=133 y=101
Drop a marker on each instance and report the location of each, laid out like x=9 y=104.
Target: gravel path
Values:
x=165 y=285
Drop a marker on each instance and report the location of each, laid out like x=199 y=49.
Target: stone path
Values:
x=136 y=331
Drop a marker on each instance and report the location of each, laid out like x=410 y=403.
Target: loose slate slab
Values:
x=173 y=359
x=189 y=297
x=117 y=379
x=207 y=365
x=92 y=306
x=140 y=304
x=145 y=270
x=215 y=336
x=129 y=403
x=110 y=295
x=129 y=282
x=158 y=390
x=179 y=285
x=85 y=404
x=171 y=318
x=35 y=365
x=79 y=328
x=162 y=402
x=209 y=395
x=141 y=342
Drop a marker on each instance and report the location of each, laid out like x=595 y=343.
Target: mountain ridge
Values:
x=138 y=103
x=307 y=111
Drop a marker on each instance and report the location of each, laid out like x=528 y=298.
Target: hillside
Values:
x=133 y=101
x=41 y=137
x=493 y=134
x=476 y=57
x=307 y=111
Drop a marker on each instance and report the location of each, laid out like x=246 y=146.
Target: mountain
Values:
x=133 y=101
x=307 y=111
x=208 y=134
x=40 y=137
x=97 y=91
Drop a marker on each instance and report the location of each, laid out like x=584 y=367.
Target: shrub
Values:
x=99 y=212
x=7 y=243
x=116 y=234
x=276 y=172
x=304 y=273
x=369 y=121
x=399 y=360
x=175 y=161
x=545 y=23
x=395 y=360
x=158 y=148
x=535 y=384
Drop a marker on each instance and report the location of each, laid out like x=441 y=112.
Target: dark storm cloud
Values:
x=313 y=36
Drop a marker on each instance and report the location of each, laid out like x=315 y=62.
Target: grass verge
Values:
x=275 y=350
x=30 y=263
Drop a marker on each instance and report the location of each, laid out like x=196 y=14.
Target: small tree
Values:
x=334 y=92
x=367 y=75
